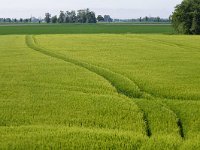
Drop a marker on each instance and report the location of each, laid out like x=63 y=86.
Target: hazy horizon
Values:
x=120 y=9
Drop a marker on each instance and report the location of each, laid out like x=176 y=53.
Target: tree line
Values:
x=80 y=16
x=21 y=20
x=146 y=19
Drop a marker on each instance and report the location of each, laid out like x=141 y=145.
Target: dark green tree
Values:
x=54 y=19
x=67 y=17
x=91 y=18
x=26 y=20
x=186 y=17
x=140 y=19
x=70 y=16
x=86 y=16
x=21 y=20
x=61 y=18
x=195 y=29
x=8 y=20
x=47 y=17
x=158 y=19
x=73 y=16
x=146 y=19
x=81 y=15
x=100 y=18
x=107 y=18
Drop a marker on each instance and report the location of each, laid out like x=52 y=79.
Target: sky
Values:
x=122 y=9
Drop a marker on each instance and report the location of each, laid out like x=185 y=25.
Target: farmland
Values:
x=110 y=28
x=99 y=87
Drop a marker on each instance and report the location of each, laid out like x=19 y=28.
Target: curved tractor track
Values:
x=122 y=84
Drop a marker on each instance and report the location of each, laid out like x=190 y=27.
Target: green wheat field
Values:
x=89 y=87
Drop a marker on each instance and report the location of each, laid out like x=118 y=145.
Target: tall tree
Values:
x=73 y=16
x=90 y=17
x=47 y=17
x=54 y=19
x=100 y=18
x=158 y=19
x=70 y=16
x=140 y=19
x=195 y=29
x=81 y=15
x=8 y=20
x=21 y=20
x=26 y=20
x=61 y=18
x=185 y=18
x=107 y=18
x=86 y=16
x=146 y=18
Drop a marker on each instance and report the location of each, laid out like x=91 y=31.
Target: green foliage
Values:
x=48 y=17
x=195 y=29
x=82 y=16
x=61 y=18
x=100 y=18
x=70 y=17
x=54 y=19
x=186 y=18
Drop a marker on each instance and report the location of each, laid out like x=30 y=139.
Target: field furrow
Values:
x=27 y=97
x=121 y=83
x=125 y=87
x=187 y=110
x=162 y=120
x=160 y=70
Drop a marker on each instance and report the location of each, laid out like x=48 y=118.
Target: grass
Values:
x=99 y=91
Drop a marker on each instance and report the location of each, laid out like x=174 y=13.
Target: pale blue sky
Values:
x=116 y=8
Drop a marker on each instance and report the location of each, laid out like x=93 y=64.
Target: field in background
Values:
x=118 y=28
x=99 y=91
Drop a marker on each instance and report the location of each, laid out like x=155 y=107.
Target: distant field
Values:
x=6 y=29
x=99 y=91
